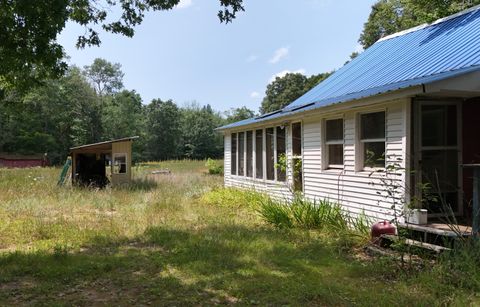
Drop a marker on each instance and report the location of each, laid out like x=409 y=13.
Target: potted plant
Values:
x=416 y=216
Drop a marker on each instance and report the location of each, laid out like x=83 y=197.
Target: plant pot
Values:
x=416 y=216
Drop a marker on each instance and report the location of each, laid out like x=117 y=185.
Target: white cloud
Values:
x=183 y=4
x=279 y=54
x=284 y=72
x=251 y=58
x=254 y=94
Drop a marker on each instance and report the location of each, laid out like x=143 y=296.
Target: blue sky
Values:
x=187 y=55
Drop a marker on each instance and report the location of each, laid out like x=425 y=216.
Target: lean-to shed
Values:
x=101 y=163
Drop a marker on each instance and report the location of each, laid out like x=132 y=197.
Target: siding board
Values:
x=357 y=191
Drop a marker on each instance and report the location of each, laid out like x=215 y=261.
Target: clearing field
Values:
x=166 y=240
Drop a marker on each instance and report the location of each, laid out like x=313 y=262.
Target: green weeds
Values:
x=183 y=239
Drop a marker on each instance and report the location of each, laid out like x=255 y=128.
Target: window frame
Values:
x=328 y=165
x=263 y=152
x=361 y=142
x=236 y=153
x=256 y=153
x=126 y=163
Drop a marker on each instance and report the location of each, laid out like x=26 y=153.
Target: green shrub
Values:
x=276 y=213
x=214 y=168
x=322 y=215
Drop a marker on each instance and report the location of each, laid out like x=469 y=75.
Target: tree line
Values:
x=90 y=105
x=46 y=106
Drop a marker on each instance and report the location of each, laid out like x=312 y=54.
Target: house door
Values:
x=438 y=156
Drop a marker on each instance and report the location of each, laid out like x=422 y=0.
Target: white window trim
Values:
x=126 y=163
x=264 y=154
x=360 y=163
x=327 y=165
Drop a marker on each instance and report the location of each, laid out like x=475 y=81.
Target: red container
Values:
x=382 y=228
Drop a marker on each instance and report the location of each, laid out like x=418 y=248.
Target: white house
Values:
x=411 y=99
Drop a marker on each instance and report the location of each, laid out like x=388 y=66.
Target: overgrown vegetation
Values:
x=183 y=239
x=322 y=215
x=214 y=168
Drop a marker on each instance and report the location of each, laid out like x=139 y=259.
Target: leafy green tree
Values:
x=284 y=90
x=122 y=115
x=163 y=130
x=391 y=16
x=30 y=52
x=86 y=108
x=51 y=118
x=106 y=77
x=200 y=141
x=238 y=114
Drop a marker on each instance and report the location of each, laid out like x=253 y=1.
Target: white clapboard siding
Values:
x=357 y=191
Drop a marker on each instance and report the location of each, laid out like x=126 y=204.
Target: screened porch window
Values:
x=372 y=139
x=270 y=150
x=281 y=154
x=249 y=153
x=259 y=154
x=334 y=142
x=241 y=153
x=233 y=165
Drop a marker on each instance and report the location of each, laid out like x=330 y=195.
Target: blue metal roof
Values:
x=444 y=49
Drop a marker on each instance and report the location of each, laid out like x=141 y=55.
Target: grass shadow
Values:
x=222 y=264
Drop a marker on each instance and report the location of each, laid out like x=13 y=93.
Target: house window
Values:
x=334 y=142
x=297 y=157
x=249 y=153
x=259 y=154
x=233 y=166
x=372 y=139
x=270 y=150
x=281 y=154
x=120 y=163
x=241 y=153
x=297 y=139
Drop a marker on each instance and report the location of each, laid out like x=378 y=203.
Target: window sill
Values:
x=333 y=170
x=258 y=180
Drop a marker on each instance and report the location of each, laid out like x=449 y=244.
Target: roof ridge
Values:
x=425 y=25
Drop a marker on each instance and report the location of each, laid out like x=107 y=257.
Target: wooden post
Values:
x=476 y=200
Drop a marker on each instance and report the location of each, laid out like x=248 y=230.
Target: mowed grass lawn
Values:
x=164 y=242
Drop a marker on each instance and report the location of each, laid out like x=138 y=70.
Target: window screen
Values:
x=281 y=151
x=373 y=126
x=259 y=153
x=334 y=142
x=297 y=139
x=373 y=139
x=270 y=149
x=241 y=153
x=233 y=165
x=249 y=153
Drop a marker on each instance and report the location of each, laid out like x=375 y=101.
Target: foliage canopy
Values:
x=29 y=51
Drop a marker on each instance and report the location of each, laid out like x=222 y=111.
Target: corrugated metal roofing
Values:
x=428 y=53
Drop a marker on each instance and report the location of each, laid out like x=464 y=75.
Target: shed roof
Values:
x=103 y=145
x=444 y=49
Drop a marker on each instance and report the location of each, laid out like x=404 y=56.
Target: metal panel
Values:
x=445 y=49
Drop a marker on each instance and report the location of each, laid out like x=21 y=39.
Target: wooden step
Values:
x=432 y=247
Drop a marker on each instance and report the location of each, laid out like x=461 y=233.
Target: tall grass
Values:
x=322 y=215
